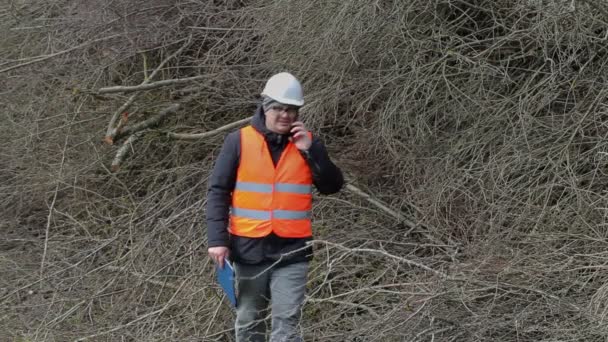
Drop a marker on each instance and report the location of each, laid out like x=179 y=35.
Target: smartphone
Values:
x=290 y=132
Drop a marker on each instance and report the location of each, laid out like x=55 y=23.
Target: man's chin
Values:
x=283 y=129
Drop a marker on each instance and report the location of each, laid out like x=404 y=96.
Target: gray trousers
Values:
x=284 y=287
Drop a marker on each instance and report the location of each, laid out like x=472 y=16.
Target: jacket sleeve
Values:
x=327 y=177
x=219 y=193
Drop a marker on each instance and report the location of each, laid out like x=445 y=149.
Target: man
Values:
x=258 y=210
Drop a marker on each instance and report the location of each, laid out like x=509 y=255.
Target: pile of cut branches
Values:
x=472 y=133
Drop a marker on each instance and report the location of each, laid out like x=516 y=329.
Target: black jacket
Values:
x=327 y=178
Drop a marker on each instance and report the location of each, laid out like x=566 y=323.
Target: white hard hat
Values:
x=284 y=88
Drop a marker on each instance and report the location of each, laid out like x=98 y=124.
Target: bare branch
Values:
x=395 y=214
x=111 y=131
x=49 y=56
x=52 y=208
x=122 y=152
x=148 y=86
x=384 y=253
x=197 y=136
x=155 y=120
x=220 y=28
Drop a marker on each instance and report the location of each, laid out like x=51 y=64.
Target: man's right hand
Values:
x=218 y=254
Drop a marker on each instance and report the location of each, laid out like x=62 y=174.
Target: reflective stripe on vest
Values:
x=268 y=214
x=269 y=198
x=279 y=187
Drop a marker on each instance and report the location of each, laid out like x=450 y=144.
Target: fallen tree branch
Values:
x=196 y=136
x=220 y=28
x=124 y=149
x=381 y=252
x=153 y=121
x=393 y=213
x=397 y=215
x=148 y=86
x=136 y=131
x=112 y=131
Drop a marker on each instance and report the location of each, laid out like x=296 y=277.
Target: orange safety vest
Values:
x=267 y=198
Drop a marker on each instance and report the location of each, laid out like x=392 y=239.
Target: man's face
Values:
x=279 y=118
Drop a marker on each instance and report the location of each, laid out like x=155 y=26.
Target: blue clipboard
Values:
x=225 y=277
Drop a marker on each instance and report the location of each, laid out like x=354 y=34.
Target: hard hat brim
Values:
x=285 y=100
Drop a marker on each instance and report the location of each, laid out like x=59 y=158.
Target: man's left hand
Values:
x=300 y=136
